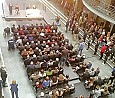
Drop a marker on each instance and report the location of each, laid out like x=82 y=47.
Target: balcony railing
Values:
x=102 y=7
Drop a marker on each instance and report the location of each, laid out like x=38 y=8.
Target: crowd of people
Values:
x=93 y=81
x=98 y=35
x=44 y=52
x=102 y=40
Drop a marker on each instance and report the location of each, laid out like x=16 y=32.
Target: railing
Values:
x=64 y=19
x=102 y=7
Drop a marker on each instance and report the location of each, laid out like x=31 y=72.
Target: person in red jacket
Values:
x=103 y=49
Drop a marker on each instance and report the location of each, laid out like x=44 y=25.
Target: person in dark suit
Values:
x=3 y=76
x=67 y=26
x=14 y=89
x=6 y=31
x=96 y=47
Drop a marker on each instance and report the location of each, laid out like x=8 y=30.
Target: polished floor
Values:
x=16 y=70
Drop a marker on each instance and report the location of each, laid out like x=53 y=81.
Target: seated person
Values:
x=54 y=80
x=111 y=88
x=89 y=65
x=106 y=80
x=27 y=61
x=67 y=78
x=72 y=88
x=44 y=64
x=86 y=75
x=97 y=92
x=50 y=63
x=92 y=72
x=74 y=60
x=34 y=77
x=105 y=91
x=98 y=82
x=38 y=65
x=30 y=68
x=42 y=73
x=54 y=94
x=59 y=93
x=55 y=71
x=89 y=83
x=46 y=82
x=31 y=52
x=49 y=72
x=66 y=91
x=91 y=95
x=24 y=54
x=60 y=70
x=56 y=62
x=80 y=69
x=61 y=78
x=38 y=84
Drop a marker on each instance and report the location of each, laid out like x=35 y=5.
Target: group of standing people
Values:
x=13 y=85
x=16 y=8
x=94 y=32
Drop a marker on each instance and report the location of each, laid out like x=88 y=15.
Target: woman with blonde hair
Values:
x=61 y=78
x=54 y=94
x=14 y=89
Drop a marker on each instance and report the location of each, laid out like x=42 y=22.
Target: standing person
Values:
x=3 y=76
x=96 y=47
x=107 y=54
x=11 y=44
x=34 y=7
x=57 y=19
x=67 y=25
x=85 y=35
x=6 y=31
x=65 y=53
x=113 y=52
x=81 y=47
x=89 y=43
x=14 y=89
x=17 y=9
x=73 y=27
x=71 y=22
x=10 y=8
x=103 y=49
x=0 y=88
x=13 y=28
x=76 y=34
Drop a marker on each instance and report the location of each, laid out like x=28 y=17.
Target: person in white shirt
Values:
x=42 y=73
x=92 y=72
